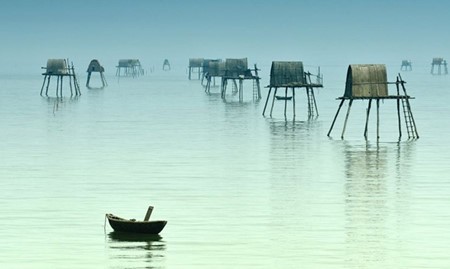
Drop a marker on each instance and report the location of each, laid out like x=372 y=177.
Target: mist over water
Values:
x=239 y=190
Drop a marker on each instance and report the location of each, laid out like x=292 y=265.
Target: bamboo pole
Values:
x=378 y=118
x=335 y=116
x=267 y=100
x=367 y=118
x=273 y=100
x=293 y=100
x=346 y=118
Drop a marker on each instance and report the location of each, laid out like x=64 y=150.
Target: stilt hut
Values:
x=195 y=66
x=369 y=82
x=211 y=69
x=129 y=68
x=291 y=75
x=95 y=67
x=439 y=62
x=237 y=70
x=60 y=69
x=166 y=65
x=406 y=65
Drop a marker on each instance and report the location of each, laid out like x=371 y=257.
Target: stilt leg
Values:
x=267 y=100
x=285 y=101
x=367 y=118
x=48 y=84
x=335 y=117
x=61 y=86
x=273 y=101
x=43 y=84
x=241 y=90
x=378 y=119
x=88 y=79
x=346 y=118
x=293 y=101
x=57 y=85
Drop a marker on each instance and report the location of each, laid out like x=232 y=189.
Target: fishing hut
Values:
x=212 y=69
x=195 y=66
x=237 y=70
x=95 y=67
x=406 y=65
x=291 y=75
x=129 y=68
x=166 y=65
x=369 y=82
x=439 y=62
x=60 y=69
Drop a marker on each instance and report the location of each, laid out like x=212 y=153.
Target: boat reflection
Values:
x=136 y=250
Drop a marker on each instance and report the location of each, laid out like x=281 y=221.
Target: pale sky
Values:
x=319 y=32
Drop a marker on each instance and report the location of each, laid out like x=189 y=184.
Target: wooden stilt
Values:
x=241 y=91
x=61 y=86
x=285 y=101
x=273 y=100
x=57 y=85
x=43 y=84
x=335 y=116
x=398 y=110
x=267 y=100
x=293 y=100
x=346 y=118
x=48 y=84
x=378 y=119
x=367 y=118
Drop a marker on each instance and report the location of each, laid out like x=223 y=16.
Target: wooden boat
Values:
x=283 y=97
x=133 y=226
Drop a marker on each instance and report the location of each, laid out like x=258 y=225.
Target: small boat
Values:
x=283 y=97
x=133 y=226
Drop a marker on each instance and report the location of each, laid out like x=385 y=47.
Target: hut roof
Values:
x=236 y=67
x=195 y=62
x=94 y=66
x=207 y=62
x=216 y=69
x=129 y=63
x=285 y=74
x=438 y=60
x=366 y=80
x=57 y=67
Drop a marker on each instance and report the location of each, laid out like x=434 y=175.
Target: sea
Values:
x=238 y=189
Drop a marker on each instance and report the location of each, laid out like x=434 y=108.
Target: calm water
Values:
x=238 y=190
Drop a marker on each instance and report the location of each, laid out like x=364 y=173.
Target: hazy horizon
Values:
x=316 y=32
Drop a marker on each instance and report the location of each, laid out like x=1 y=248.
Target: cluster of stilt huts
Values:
x=364 y=83
x=367 y=82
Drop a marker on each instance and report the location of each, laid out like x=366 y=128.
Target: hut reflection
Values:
x=136 y=250
x=376 y=198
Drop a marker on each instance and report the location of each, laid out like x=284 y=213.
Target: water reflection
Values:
x=374 y=202
x=136 y=250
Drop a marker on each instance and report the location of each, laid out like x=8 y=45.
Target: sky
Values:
x=316 y=32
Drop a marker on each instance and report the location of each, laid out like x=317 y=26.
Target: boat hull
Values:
x=132 y=226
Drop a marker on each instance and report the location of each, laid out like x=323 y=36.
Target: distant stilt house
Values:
x=406 y=65
x=237 y=70
x=60 y=69
x=195 y=66
x=291 y=75
x=95 y=67
x=369 y=82
x=439 y=62
x=166 y=65
x=210 y=70
x=129 y=68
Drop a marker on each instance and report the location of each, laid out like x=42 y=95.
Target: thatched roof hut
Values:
x=366 y=80
x=207 y=63
x=286 y=74
x=216 y=69
x=95 y=66
x=195 y=62
x=236 y=67
x=57 y=67
x=438 y=61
